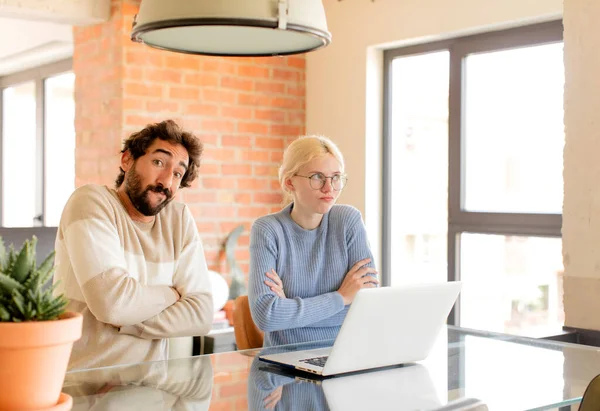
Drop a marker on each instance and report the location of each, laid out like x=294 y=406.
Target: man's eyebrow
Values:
x=160 y=150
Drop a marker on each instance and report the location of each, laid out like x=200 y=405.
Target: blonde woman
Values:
x=308 y=261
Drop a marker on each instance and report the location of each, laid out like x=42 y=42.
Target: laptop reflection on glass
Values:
x=384 y=327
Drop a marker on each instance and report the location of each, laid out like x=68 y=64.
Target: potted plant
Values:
x=36 y=333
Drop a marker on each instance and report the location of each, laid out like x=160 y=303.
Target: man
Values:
x=130 y=260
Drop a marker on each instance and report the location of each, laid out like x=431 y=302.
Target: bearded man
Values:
x=130 y=259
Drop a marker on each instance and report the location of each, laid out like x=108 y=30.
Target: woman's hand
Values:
x=275 y=283
x=273 y=398
x=357 y=278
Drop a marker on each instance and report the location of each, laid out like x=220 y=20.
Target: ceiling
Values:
x=29 y=43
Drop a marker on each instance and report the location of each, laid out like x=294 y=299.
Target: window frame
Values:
x=38 y=75
x=459 y=220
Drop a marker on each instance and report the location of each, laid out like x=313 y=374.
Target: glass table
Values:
x=466 y=370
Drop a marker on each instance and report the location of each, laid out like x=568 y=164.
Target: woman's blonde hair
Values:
x=303 y=151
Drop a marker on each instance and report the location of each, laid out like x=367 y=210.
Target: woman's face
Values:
x=307 y=194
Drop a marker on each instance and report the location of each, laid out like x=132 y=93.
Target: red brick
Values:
x=140 y=121
x=236 y=141
x=208 y=110
x=201 y=79
x=142 y=58
x=254 y=100
x=219 y=96
x=253 y=212
x=218 y=65
x=267 y=198
x=296 y=90
x=184 y=93
x=237 y=83
x=133 y=104
x=143 y=90
x=243 y=113
x=252 y=184
x=243 y=198
x=220 y=154
x=298 y=62
x=296 y=117
x=254 y=128
x=253 y=71
x=258 y=156
x=269 y=87
x=224 y=126
x=265 y=171
x=276 y=116
x=217 y=404
x=283 y=102
x=236 y=169
x=286 y=130
x=287 y=75
x=178 y=62
x=160 y=105
x=163 y=76
x=210 y=169
x=266 y=142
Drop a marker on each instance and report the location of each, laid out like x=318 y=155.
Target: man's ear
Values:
x=126 y=161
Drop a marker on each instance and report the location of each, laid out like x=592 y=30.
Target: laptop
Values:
x=384 y=327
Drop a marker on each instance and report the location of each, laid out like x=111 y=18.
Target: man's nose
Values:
x=166 y=179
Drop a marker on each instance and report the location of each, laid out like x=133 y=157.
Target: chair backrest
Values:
x=591 y=396
x=247 y=334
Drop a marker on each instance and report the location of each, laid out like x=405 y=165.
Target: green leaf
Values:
x=47 y=264
x=9 y=284
x=22 y=264
x=19 y=301
x=4 y=314
x=3 y=256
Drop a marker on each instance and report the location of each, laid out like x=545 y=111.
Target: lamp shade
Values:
x=232 y=27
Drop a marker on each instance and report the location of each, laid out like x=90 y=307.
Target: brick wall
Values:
x=245 y=110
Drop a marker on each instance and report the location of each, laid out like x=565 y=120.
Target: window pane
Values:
x=514 y=132
x=60 y=145
x=419 y=169
x=18 y=155
x=511 y=284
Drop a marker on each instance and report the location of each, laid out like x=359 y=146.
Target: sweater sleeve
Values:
x=94 y=249
x=358 y=249
x=270 y=312
x=357 y=241
x=193 y=314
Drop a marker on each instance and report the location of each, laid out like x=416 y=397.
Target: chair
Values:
x=591 y=396
x=247 y=334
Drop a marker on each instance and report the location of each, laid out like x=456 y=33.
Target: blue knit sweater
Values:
x=312 y=265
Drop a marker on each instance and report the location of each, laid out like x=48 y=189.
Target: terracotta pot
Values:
x=33 y=361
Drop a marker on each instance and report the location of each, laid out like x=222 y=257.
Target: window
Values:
x=37 y=145
x=473 y=174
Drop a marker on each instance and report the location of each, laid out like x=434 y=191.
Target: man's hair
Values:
x=168 y=131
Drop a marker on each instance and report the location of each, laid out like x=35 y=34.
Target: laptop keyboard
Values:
x=318 y=361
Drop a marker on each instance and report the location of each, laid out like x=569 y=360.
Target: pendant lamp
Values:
x=232 y=27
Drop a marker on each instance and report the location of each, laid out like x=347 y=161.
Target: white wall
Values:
x=344 y=80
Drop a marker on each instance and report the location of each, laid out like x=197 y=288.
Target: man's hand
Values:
x=276 y=285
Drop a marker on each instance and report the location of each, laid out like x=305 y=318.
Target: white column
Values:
x=581 y=213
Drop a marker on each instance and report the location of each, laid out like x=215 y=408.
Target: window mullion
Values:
x=39 y=152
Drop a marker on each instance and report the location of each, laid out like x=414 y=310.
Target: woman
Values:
x=308 y=261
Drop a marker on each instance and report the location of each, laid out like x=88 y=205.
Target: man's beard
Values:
x=139 y=196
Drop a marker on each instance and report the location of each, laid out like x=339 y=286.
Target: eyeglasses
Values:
x=317 y=181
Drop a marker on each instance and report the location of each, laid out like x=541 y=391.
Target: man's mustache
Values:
x=160 y=189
